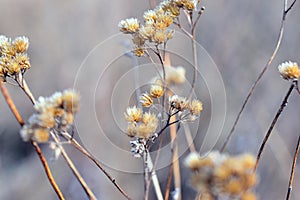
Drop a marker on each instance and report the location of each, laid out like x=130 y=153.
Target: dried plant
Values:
x=158 y=112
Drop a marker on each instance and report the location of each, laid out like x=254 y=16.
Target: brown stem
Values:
x=285 y=12
x=82 y=182
x=175 y=159
x=293 y=170
x=282 y=106
x=42 y=158
x=167 y=192
x=96 y=162
x=23 y=85
x=47 y=170
x=11 y=104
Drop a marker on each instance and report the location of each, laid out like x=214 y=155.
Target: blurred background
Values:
x=238 y=35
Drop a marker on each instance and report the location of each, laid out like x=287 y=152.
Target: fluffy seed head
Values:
x=133 y=114
x=146 y=100
x=289 y=70
x=129 y=26
x=195 y=107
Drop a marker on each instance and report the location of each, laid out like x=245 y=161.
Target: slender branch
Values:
x=285 y=12
x=47 y=169
x=82 y=182
x=282 y=106
x=42 y=158
x=297 y=87
x=23 y=85
x=152 y=4
x=293 y=170
x=175 y=161
x=167 y=192
x=11 y=104
x=146 y=175
x=96 y=162
x=154 y=179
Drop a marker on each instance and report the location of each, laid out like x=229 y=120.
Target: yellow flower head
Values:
x=133 y=114
x=248 y=196
x=156 y=90
x=195 y=107
x=146 y=100
x=150 y=15
x=20 y=44
x=129 y=26
x=179 y=103
x=147 y=32
x=131 y=129
x=41 y=135
x=189 y=5
x=70 y=100
x=160 y=36
x=23 y=61
x=138 y=51
x=289 y=70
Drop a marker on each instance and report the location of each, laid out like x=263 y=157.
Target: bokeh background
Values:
x=239 y=36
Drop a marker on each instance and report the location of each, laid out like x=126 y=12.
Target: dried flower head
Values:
x=146 y=100
x=55 y=113
x=156 y=90
x=20 y=44
x=13 y=57
x=70 y=101
x=177 y=102
x=289 y=70
x=221 y=174
x=129 y=26
x=138 y=51
x=195 y=107
x=150 y=15
x=175 y=75
x=133 y=114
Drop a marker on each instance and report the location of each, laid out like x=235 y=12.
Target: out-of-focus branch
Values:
x=70 y=163
x=92 y=158
x=285 y=12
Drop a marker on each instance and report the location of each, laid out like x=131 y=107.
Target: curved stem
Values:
x=282 y=106
x=285 y=12
x=96 y=162
x=293 y=170
x=70 y=163
x=47 y=169
x=42 y=158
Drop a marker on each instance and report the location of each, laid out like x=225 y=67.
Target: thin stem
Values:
x=167 y=192
x=175 y=160
x=23 y=85
x=82 y=182
x=96 y=162
x=152 y=4
x=42 y=158
x=293 y=170
x=285 y=12
x=47 y=169
x=164 y=77
x=297 y=87
x=11 y=104
x=154 y=179
x=282 y=106
x=146 y=175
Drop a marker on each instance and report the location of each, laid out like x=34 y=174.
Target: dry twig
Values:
x=285 y=12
